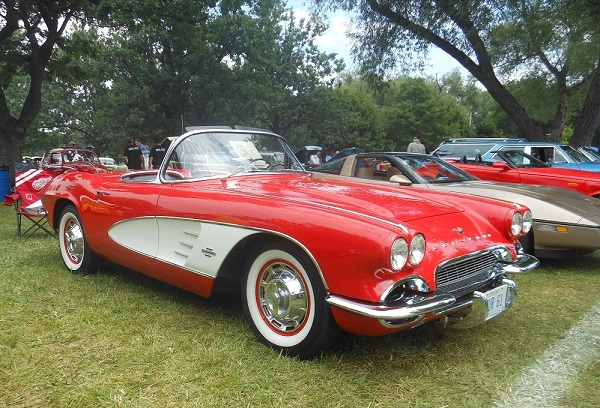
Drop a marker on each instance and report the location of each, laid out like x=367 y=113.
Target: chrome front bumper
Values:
x=523 y=264
x=440 y=304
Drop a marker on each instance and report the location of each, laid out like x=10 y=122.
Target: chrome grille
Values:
x=464 y=275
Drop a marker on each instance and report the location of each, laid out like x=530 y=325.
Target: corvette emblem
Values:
x=458 y=230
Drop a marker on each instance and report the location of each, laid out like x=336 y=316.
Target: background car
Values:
x=517 y=167
x=309 y=155
x=308 y=257
x=111 y=164
x=558 y=155
x=58 y=161
x=566 y=224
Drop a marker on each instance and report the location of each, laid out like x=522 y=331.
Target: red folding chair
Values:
x=27 y=202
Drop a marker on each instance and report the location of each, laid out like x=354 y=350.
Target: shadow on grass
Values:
x=348 y=347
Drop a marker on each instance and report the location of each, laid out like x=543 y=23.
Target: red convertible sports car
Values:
x=515 y=166
x=308 y=257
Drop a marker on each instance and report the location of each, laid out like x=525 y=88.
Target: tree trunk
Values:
x=589 y=119
x=11 y=141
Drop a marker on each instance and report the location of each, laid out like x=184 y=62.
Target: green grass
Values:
x=118 y=338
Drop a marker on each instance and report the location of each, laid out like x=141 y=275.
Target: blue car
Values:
x=486 y=149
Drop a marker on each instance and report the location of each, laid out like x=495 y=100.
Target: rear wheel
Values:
x=74 y=249
x=284 y=301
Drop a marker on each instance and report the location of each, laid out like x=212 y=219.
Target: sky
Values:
x=335 y=40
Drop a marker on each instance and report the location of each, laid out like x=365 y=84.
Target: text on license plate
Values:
x=497 y=300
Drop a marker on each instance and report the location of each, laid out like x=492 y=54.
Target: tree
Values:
x=557 y=39
x=414 y=106
x=278 y=69
x=30 y=32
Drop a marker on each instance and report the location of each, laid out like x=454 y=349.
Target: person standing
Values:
x=157 y=154
x=416 y=146
x=132 y=156
x=139 y=144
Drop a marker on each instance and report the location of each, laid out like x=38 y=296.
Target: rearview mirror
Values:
x=500 y=165
x=400 y=179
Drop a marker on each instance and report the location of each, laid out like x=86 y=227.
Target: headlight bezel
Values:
x=399 y=253
x=527 y=221
x=402 y=253
x=515 y=225
x=417 y=249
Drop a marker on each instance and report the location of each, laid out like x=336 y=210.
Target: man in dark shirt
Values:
x=157 y=154
x=132 y=156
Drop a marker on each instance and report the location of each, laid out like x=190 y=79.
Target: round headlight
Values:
x=517 y=224
x=399 y=253
x=527 y=221
x=417 y=249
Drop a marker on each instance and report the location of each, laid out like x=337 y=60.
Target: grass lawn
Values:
x=118 y=338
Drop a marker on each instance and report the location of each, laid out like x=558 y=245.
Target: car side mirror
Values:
x=400 y=179
x=500 y=165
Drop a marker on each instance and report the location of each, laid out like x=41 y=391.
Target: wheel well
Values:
x=58 y=209
x=230 y=274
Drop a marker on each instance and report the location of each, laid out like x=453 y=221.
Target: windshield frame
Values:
x=219 y=153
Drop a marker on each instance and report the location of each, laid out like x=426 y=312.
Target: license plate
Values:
x=497 y=300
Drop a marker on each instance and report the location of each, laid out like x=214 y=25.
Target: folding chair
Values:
x=28 y=204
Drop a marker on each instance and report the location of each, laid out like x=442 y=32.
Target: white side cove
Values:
x=545 y=382
x=200 y=247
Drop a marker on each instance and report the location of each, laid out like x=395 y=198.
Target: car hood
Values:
x=546 y=202
x=386 y=202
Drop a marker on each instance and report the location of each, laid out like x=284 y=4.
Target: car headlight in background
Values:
x=417 y=249
x=399 y=254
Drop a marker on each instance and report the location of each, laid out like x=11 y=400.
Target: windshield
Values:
x=591 y=153
x=223 y=153
x=434 y=170
x=577 y=156
x=518 y=159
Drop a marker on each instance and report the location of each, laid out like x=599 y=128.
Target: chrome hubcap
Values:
x=283 y=297
x=73 y=241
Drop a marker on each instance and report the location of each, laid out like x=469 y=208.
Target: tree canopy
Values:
x=99 y=71
x=495 y=41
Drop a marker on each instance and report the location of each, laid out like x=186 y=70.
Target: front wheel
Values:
x=74 y=249
x=284 y=301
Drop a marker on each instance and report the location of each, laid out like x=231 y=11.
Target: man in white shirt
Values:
x=416 y=146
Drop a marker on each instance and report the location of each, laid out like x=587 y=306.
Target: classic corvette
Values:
x=58 y=161
x=566 y=224
x=517 y=167
x=308 y=257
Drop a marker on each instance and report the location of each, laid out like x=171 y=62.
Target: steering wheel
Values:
x=276 y=167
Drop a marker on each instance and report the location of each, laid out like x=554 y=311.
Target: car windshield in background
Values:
x=592 y=154
x=577 y=156
x=223 y=153
x=470 y=150
x=434 y=170
x=520 y=159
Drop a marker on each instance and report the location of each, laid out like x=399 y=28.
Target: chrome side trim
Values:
x=432 y=303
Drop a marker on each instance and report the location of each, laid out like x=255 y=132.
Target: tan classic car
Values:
x=566 y=223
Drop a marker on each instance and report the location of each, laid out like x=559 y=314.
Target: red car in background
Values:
x=515 y=166
x=58 y=161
